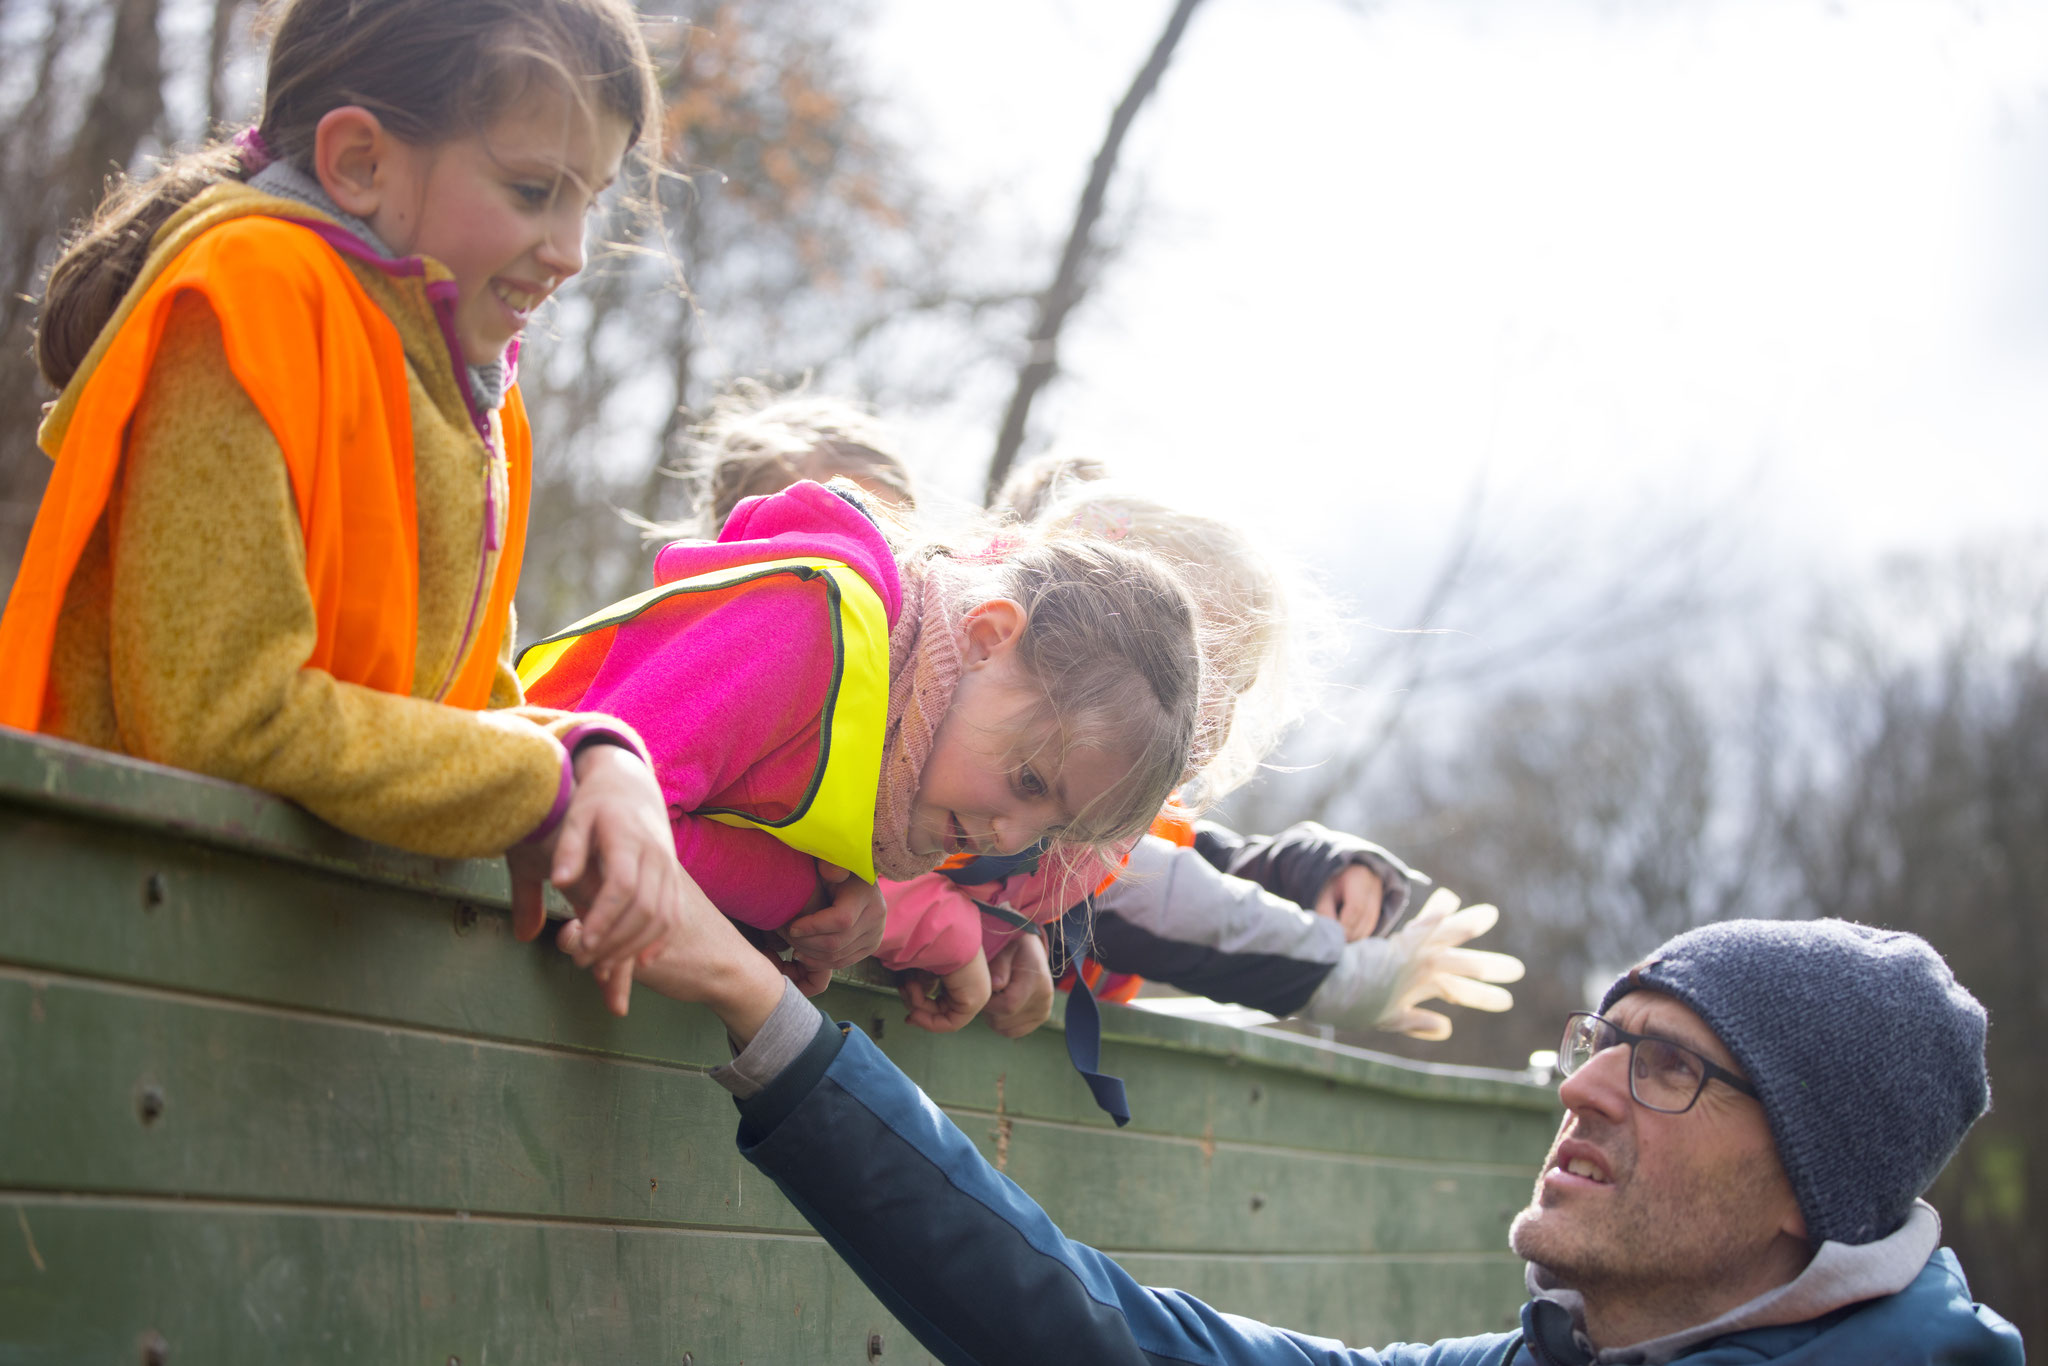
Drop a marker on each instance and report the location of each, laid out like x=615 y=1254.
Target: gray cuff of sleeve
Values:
x=786 y=1034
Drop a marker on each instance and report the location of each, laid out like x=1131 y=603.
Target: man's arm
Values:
x=950 y=1246
x=954 y=1249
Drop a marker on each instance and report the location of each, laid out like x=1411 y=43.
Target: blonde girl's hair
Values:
x=1110 y=641
x=1246 y=603
x=758 y=441
x=1043 y=480
x=429 y=70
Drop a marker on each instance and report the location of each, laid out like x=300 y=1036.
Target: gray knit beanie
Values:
x=1866 y=1052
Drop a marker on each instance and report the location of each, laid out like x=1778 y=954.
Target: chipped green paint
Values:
x=270 y=1092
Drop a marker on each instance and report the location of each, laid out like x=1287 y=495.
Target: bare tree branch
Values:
x=1069 y=282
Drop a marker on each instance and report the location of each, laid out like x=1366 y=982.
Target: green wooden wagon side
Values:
x=272 y=1094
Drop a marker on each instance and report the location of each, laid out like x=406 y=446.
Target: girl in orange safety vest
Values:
x=281 y=538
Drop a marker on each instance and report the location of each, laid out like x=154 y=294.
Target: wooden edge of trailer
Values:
x=62 y=777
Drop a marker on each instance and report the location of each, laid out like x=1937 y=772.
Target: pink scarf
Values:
x=924 y=669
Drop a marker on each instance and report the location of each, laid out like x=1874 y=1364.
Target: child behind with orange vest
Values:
x=824 y=707
x=284 y=528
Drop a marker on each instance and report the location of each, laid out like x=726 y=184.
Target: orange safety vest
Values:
x=326 y=369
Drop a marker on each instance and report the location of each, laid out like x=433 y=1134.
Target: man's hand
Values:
x=614 y=859
x=1021 y=990
x=844 y=932
x=705 y=960
x=1352 y=897
x=959 y=997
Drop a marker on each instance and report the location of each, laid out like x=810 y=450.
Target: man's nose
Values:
x=1601 y=1086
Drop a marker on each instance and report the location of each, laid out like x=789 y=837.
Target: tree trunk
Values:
x=1069 y=282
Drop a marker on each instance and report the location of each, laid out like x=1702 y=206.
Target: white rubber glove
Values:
x=1378 y=983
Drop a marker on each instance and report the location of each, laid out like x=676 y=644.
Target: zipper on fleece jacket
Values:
x=441 y=295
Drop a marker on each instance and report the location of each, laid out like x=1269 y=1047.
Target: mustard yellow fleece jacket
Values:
x=185 y=630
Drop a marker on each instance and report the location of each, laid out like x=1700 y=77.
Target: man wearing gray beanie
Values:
x=1750 y=1120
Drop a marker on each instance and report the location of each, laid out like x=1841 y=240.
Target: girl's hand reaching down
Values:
x=1021 y=990
x=843 y=933
x=614 y=860
x=960 y=996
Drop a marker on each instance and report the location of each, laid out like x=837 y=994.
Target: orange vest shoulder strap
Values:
x=326 y=370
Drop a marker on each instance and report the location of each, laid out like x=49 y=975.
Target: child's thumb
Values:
x=832 y=872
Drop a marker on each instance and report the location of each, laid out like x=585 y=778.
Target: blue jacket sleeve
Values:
x=962 y=1256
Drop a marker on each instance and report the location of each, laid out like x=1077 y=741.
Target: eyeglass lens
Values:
x=1662 y=1076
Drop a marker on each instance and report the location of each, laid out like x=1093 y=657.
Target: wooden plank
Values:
x=95 y=1280
x=92 y=785
x=132 y=906
x=92 y=1280
x=47 y=785
x=105 y=1088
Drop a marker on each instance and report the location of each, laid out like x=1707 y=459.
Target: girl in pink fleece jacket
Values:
x=1043 y=687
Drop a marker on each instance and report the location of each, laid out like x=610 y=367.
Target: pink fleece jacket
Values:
x=728 y=690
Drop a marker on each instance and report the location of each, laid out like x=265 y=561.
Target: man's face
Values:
x=1634 y=1200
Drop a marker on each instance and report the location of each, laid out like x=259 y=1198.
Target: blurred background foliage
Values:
x=1630 y=731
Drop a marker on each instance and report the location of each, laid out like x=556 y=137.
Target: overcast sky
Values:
x=1616 y=260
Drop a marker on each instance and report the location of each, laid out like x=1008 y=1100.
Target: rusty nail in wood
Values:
x=152 y=891
x=155 y=1351
x=151 y=1105
x=465 y=918
x=874 y=1346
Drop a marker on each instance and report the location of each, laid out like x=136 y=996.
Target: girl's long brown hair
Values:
x=428 y=69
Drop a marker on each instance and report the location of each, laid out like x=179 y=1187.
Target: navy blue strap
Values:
x=1084 y=1050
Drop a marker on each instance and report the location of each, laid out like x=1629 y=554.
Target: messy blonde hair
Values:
x=758 y=441
x=1110 y=641
x=429 y=70
x=1246 y=605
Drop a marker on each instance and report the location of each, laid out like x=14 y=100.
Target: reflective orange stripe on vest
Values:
x=835 y=818
x=326 y=369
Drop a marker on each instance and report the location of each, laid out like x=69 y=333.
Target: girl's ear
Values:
x=993 y=629
x=352 y=158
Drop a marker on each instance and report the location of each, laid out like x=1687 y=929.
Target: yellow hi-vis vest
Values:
x=834 y=820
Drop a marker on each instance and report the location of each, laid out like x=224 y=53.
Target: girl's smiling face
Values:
x=998 y=779
x=504 y=209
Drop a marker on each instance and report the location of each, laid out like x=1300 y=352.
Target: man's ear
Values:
x=352 y=158
x=993 y=629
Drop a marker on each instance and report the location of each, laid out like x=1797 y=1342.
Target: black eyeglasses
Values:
x=1663 y=1076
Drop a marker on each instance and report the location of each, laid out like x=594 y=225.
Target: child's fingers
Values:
x=810 y=979
x=618 y=988
x=832 y=921
x=1423 y=1024
x=572 y=845
x=571 y=938
x=1482 y=965
x=529 y=906
x=1463 y=991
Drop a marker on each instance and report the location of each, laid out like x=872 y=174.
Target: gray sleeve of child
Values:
x=1176 y=918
